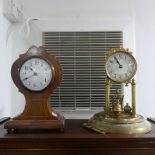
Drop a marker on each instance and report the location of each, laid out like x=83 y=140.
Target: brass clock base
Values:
x=123 y=125
x=14 y=124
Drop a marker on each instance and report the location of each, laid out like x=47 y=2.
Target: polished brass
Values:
x=128 y=125
x=107 y=103
x=133 y=83
x=117 y=100
x=117 y=109
x=127 y=108
x=127 y=52
x=118 y=118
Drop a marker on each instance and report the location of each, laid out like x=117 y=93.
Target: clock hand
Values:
x=120 y=66
x=31 y=69
x=26 y=78
x=35 y=73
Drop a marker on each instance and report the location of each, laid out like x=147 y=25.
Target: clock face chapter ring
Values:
x=36 y=73
x=120 y=66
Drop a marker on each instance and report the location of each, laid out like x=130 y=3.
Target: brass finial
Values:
x=127 y=108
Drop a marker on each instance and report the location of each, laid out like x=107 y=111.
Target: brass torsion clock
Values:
x=120 y=67
x=36 y=74
x=118 y=117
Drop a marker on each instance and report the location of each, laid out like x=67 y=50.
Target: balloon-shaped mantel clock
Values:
x=36 y=74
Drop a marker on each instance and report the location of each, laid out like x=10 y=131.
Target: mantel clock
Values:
x=36 y=74
x=117 y=117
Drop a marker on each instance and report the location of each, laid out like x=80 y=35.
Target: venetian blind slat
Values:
x=82 y=56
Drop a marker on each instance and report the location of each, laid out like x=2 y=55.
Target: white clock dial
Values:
x=121 y=66
x=36 y=74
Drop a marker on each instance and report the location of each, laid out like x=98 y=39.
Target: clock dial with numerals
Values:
x=36 y=74
x=121 y=66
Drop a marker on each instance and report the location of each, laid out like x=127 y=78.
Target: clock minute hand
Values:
x=120 y=66
x=26 y=78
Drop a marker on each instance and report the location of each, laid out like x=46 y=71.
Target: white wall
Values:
x=12 y=102
x=5 y=62
x=145 y=51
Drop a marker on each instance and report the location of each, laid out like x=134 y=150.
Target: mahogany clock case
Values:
x=38 y=113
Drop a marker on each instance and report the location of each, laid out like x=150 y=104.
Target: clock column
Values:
x=133 y=83
x=107 y=103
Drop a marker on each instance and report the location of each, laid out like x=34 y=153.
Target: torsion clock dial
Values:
x=121 y=66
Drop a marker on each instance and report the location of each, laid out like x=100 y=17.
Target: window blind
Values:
x=82 y=56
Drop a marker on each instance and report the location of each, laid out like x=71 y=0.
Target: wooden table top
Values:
x=73 y=129
x=75 y=133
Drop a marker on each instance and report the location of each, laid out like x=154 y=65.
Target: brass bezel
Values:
x=120 y=50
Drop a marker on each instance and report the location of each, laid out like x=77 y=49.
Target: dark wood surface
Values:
x=75 y=140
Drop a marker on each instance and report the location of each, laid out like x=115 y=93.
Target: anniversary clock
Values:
x=118 y=117
x=36 y=74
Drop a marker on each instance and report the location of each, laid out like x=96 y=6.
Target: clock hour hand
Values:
x=34 y=73
x=31 y=69
x=120 y=66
